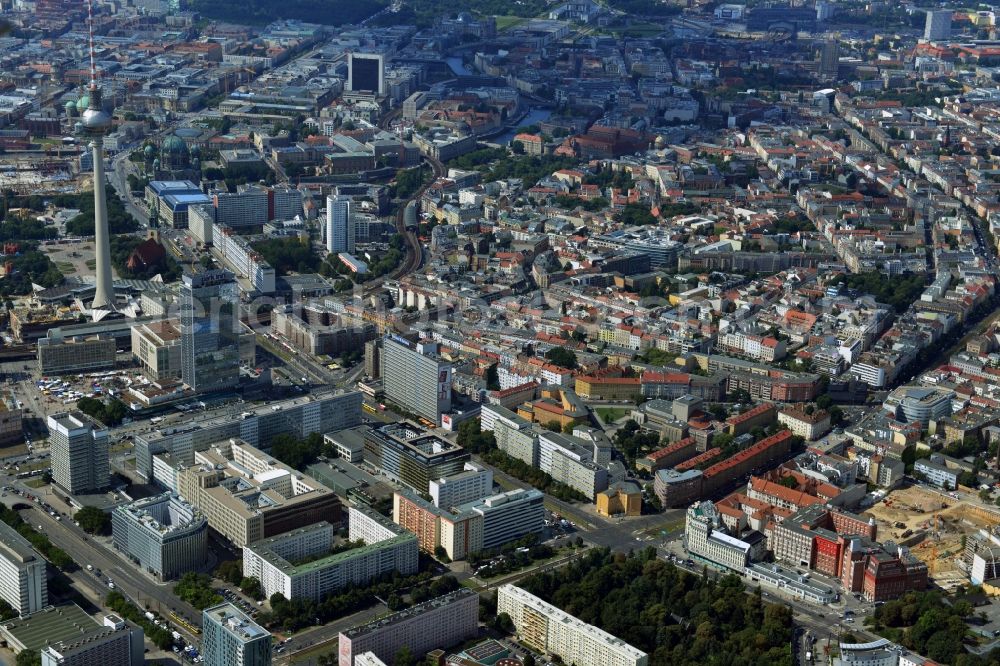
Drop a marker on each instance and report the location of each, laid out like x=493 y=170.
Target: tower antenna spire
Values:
x=90 y=34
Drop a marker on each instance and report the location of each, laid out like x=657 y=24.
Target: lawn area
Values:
x=658 y=531
x=37 y=482
x=65 y=267
x=611 y=414
x=507 y=22
x=91 y=263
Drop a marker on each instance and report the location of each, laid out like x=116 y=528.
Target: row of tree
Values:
x=159 y=635
x=472 y=438
x=292 y=615
x=58 y=557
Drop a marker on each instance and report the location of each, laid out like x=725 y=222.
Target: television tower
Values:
x=96 y=124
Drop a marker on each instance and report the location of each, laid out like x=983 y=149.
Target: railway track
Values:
x=414 y=253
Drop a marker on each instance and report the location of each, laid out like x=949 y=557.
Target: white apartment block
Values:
x=808 y=426
x=757 y=347
x=437 y=623
x=287 y=203
x=22 y=573
x=79 y=448
x=242 y=259
x=490 y=415
x=476 y=482
x=869 y=374
x=277 y=561
x=550 y=630
x=247 y=207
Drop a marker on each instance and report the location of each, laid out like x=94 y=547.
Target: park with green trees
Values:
x=93 y=520
x=196 y=589
x=899 y=291
x=110 y=412
x=933 y=625
x=678 y=618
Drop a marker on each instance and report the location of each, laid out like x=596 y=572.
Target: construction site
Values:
x=933 y=526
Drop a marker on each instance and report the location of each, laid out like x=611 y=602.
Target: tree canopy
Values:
x=635 y=214
x=93 y=521
x=109 y=413
x=260 y=12
x=196 y=589
x=288 y=254
x=898 y=291
x=295 y=452
x=676 y=617
x=30 y=266
x=119 y=219
x=564 y=358
x=926 y=624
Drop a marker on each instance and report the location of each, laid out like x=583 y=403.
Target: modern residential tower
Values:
x=339 y=224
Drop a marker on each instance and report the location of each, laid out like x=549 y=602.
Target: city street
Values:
x=138 y=587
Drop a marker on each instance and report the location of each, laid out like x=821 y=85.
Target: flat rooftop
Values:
x=15 y=547
x=408 y=613
x=53 y=624
x=235 y=622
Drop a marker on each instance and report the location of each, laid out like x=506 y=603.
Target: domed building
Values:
x=174 y=160
x=174 y=153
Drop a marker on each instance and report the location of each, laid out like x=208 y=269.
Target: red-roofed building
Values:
x=699 y=460
x=668 y=456
x=533 y=144
x=761 y=415
x=513 y=396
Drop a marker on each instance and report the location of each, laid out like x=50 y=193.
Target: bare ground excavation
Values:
x=932 y=526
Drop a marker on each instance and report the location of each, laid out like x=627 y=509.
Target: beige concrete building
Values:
x=550 y=630
x=156 y=347
x=247 y=495
x=57 y=356
x=809 y=425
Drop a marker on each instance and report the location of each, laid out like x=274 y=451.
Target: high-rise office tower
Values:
x=366 y=71
x=233 y=639
x=79 y=447
x=339 y=224
x=415 y=377
x=23 y=583
x=210 y=352
x=829 y=59
x=96 y=124
x=938 y=24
